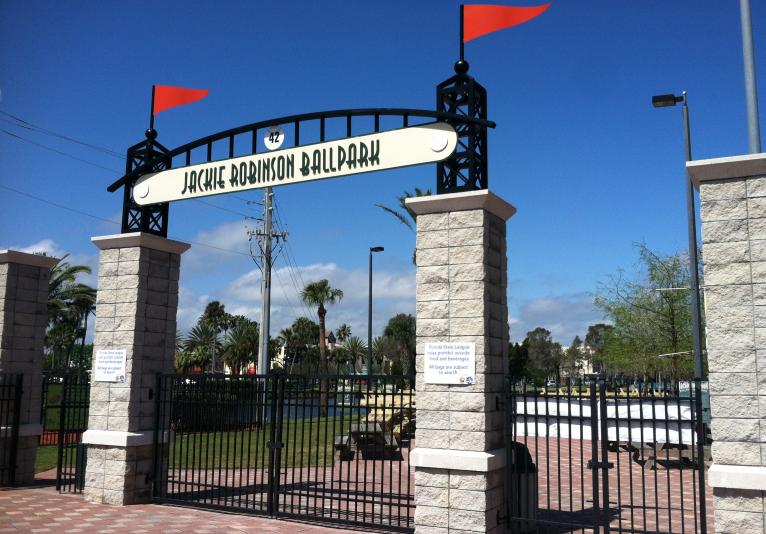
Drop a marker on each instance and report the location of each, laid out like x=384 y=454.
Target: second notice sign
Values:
x=450 y=363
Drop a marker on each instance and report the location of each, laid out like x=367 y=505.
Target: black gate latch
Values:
x=277 y=445
x=600 y=465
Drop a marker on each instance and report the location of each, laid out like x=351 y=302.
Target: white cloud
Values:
x=565 y=316
x=393 y=292
x=231 y=242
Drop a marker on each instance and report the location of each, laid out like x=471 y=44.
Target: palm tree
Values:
x=69 y=305
x=404 y=214
x=354 y=350
x=343 y=332
x=318 y=294
x=201 y=343
x=240 y=344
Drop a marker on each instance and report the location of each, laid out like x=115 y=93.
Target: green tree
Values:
x=70 y=303
x=216 y=316
x=651 y=314
x=318 y=294
x=404 y=213
x=401 y=330
x=240 y=346
x=545 y=355
x=354 y=352
x=383 y=347
x=595 y=343
x=573 y=358
x=343 y=332
x=199 y=346
x=518 y=359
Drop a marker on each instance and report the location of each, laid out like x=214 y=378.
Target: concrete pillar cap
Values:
x=25 y=258
x=140 y=239
x=728 y=168
x=468 y=200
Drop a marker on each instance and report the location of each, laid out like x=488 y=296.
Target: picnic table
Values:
x=368 y=438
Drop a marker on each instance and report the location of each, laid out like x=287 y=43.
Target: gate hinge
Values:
x=600 y=465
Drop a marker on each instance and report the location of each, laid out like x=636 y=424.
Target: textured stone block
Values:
x=432 y=221
x=723 y=253
x=467 y=219
x=756 y=208
x=727 y=274
x=736 y=453
x=432 y=256
x=432 y=275
x=738 y=522
x=723 y=189
x=726 y=383
x=739 y=339
x=731 y=361
x=723 y=210
x=467 y=254
x=738 y=499
x=431 y=516
x=741 y=430
x=434 y=239
x=432 y=496
x=433 y=292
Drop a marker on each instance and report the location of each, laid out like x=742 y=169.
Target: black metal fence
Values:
x=598 y=456
x=64 y=415
x=10 y=406
x=332 y=448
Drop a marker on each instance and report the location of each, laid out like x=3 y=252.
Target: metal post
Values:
x=263 y=351
x=751 y=94
x=369 y=321
x=696 y=314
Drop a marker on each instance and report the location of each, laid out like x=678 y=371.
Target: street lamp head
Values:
x=376 y=249
x=664 y=101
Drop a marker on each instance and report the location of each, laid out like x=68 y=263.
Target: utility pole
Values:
x=265 y=237
x=751 y=92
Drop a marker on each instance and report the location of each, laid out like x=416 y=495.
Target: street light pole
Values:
x=369 y=314
x=664 y=101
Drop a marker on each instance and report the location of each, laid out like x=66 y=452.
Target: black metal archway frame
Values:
x=461 y=102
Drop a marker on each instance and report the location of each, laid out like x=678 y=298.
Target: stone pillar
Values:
x=733 y=209
x=136 y=312
x=23 y=318
x=461 y=297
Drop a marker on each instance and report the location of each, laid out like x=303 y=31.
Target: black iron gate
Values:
x=10 y=405
x=66 y=398
x=332 y=449
x=598 y=456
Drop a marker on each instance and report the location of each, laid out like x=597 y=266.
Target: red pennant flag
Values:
x=481 y=19
x=168 y=96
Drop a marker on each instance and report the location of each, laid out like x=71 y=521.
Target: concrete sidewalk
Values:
x=42 y=509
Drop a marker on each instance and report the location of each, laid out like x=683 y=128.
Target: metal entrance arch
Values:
x=461 y=103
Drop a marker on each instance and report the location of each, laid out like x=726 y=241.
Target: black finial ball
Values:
x=151 y=134
x=461 y=67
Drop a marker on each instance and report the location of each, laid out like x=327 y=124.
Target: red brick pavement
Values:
x=640 y=498
x=42 y=510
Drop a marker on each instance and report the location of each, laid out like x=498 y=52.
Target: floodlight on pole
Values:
x=369 y=314
x=668 y=100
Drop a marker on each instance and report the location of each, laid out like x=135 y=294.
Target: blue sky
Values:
x=590 y=165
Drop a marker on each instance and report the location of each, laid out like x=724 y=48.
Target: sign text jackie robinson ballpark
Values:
x=396 y=148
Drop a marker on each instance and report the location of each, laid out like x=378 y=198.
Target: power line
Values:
x=57 y=151
x=21 y=123
x=205 y=202
x=103 y=219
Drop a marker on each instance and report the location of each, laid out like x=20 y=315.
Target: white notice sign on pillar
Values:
x=450 y=363
x=110 y=365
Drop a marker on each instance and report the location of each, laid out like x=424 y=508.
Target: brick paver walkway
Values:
x=41 y=510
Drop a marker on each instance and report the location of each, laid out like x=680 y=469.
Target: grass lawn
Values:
x=307 y=442
x=46 y=458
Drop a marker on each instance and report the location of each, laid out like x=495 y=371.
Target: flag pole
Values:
x=462 y=44
x=151 y=111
